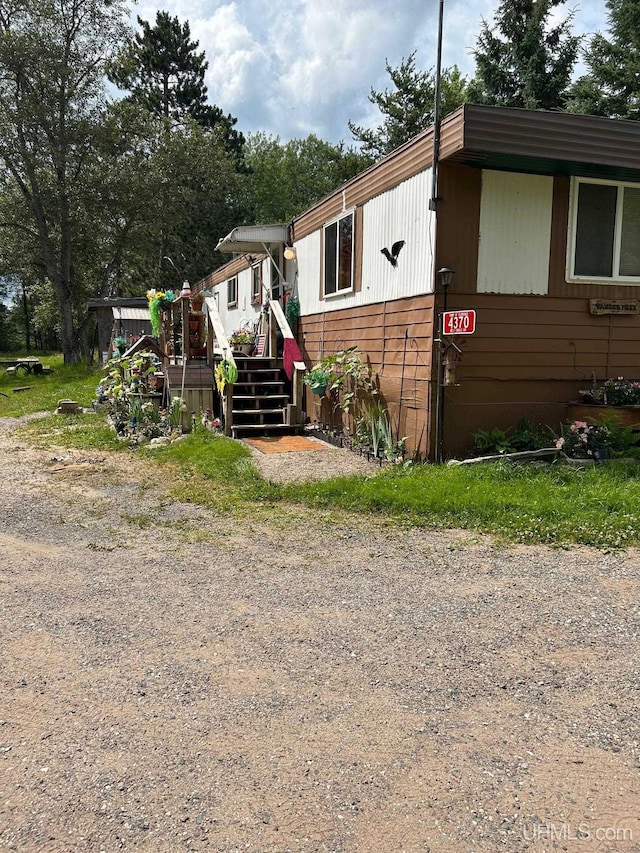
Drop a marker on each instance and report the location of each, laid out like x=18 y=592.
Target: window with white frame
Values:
x=338 y=255
x=256 y=284
x=605 y=231
x=232 y=292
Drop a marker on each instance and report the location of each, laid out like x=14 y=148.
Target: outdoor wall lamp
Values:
x=290 y=253
x=445 y=277
x=445 y=274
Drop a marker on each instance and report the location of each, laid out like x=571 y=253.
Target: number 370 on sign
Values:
x=458 y=322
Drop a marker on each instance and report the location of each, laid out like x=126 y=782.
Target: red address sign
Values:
x=458 y=322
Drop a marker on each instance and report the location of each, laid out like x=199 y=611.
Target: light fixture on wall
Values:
x=290 y=253
x=445 y=275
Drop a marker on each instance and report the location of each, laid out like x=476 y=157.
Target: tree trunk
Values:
x=27 y=318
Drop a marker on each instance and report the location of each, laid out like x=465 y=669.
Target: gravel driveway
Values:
x=173 y=680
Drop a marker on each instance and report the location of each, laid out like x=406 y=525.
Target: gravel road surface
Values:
x=175 y=681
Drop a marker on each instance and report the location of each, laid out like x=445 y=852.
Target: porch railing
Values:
x=299 y=367
x=223 y=343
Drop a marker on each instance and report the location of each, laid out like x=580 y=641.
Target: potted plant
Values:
x=241 y=341
x=317 y=379
x=580 y=440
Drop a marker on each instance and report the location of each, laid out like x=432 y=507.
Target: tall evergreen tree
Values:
x=409 y=107
x=612 y=85
x=163 y=72
x=525 y=61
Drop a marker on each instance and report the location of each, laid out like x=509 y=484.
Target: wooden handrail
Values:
x=223 y=342
x=218 y=328
x=299 y=367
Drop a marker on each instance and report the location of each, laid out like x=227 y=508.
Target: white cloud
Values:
x=307 y=67
x=236 y=58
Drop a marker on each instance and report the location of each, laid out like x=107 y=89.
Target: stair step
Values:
x=260 y=397
x=240 y=430
x=257 y=360
x=259 y=376
x=257 y=411
x=263 y=384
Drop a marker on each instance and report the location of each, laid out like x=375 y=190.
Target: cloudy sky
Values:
x=307 y=66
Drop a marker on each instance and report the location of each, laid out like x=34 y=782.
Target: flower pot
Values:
x=318 y=389
x=243 y=349
x=625 y=415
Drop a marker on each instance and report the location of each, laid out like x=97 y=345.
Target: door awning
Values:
x=131 y=313
x=253 y=238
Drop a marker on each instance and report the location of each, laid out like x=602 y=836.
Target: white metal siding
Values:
x=308 y=257
x=232 y=318
x=399 y=214
x=515 y=233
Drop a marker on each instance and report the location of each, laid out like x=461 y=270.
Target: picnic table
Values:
x=28 y=365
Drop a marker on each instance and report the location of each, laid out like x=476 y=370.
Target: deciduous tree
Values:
x=286 y=178
x=53 y=55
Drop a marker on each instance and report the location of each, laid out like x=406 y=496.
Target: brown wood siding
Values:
x=379 y=331
x=452 y=134
x=460 y=189
x=225 y=272
x=530 y=356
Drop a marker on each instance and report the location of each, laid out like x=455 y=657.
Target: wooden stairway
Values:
x=260 y=398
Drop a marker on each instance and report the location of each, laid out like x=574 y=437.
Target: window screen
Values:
x=595 y=229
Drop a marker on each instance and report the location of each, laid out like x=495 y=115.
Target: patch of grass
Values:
x=216 y=472
x=555 y=505
x=85 y=432
x=69 y=382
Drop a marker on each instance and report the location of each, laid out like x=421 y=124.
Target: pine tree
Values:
x=612 y=85
x=524 y=61
x=162 y=71
x=408 y=109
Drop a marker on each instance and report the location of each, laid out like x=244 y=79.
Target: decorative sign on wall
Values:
x=614 y=306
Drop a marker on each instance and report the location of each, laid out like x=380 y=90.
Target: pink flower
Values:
x=560 y=443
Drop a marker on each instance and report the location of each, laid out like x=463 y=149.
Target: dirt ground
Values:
x=172 y=680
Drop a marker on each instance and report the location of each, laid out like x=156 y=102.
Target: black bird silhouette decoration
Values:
x=392 y=256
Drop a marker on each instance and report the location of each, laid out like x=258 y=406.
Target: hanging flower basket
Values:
x=317 y=379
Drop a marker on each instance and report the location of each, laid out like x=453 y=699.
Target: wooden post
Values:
x=228 y=409
x=184 y=313
x=272 y=334
x=298 y=392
